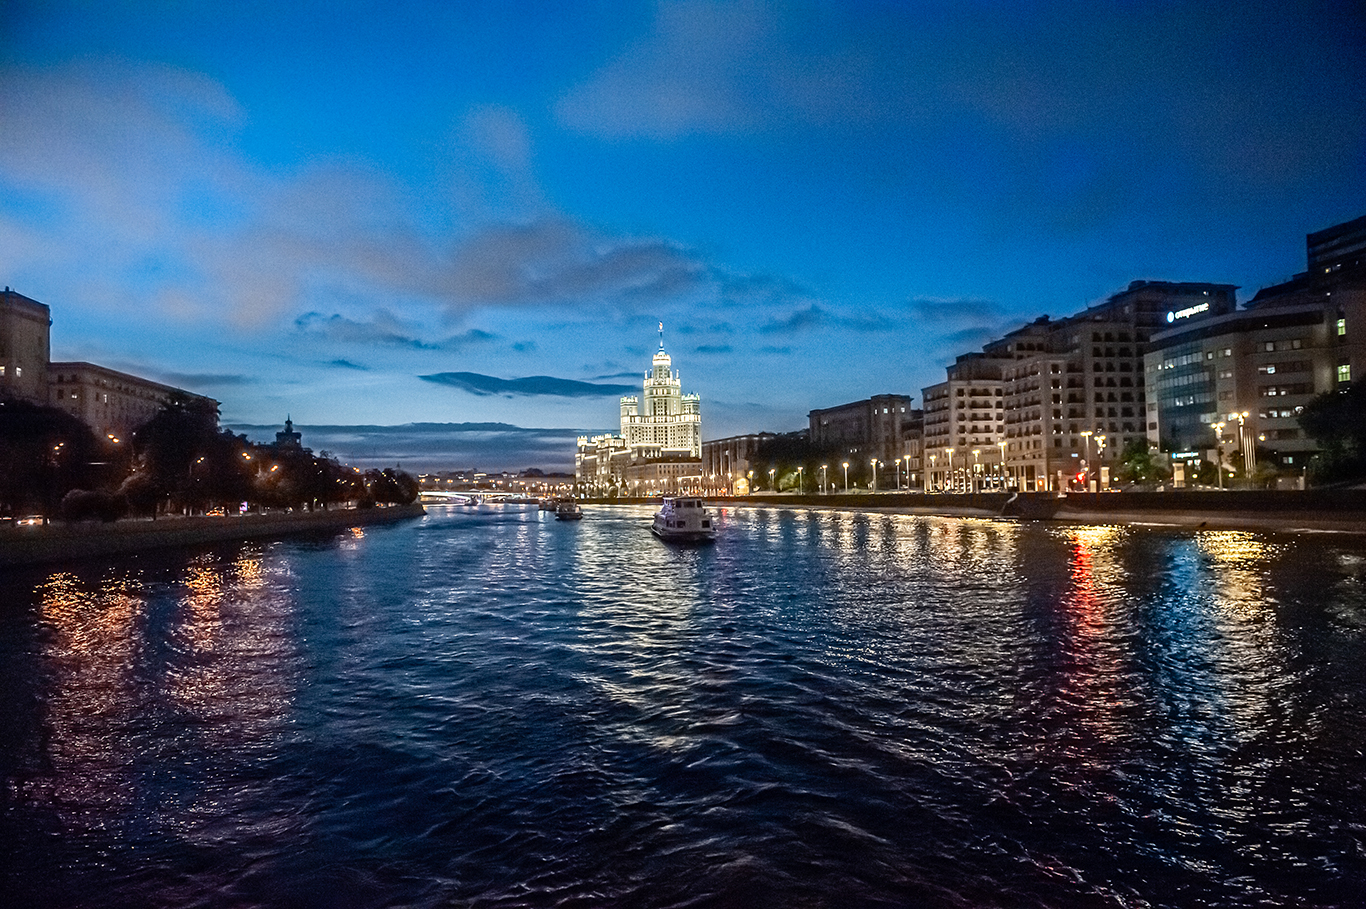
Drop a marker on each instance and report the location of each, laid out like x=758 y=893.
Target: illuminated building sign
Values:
x=1187 y=312
x=1185 y=455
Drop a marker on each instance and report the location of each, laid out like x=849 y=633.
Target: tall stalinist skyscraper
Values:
x=672 y=421
x=660 y=446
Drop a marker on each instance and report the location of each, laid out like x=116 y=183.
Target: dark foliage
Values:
x=44 y=453
x=1337 y=421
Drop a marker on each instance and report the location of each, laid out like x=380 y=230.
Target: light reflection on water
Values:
x=821 y=708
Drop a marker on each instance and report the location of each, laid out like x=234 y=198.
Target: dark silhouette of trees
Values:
x=390 y=486
x=44 y=453
x=1337 y=421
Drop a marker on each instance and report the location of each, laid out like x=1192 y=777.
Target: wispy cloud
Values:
x=531 y=386
x=713 y=349
x=192 y=380
x=383 y=329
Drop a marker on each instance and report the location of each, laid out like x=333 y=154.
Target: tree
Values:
x=1337 y=421
x=1137 y=465
x=45 y=452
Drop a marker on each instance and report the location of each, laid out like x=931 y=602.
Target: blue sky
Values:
x=463 y=214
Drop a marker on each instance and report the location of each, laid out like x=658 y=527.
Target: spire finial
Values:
x=661 y=335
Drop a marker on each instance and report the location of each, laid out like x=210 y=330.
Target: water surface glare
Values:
x=488 y=707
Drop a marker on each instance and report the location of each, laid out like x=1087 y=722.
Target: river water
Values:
x=487 y=707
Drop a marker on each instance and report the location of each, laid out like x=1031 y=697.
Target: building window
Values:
x=1342 y=327
x=1344 y=372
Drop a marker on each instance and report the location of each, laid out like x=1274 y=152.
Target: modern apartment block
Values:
x=1232 y=387
x=964 y=423
x=1054 y=400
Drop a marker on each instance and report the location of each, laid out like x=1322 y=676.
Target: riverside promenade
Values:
x=1319 y=510
x=61 y=541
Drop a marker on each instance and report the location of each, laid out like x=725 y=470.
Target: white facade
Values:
x=671 y=421
x=660 y=441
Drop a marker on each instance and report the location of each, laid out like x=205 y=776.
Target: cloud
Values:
x=435 y=446
x=384 y=329
x=939 y=311
x=190 y=380
x=712 y=349
x=347 y=364
x=531 y=386
x=814 y=317
x=554 y=261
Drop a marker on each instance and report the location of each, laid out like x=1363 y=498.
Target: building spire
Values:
x=661 y=335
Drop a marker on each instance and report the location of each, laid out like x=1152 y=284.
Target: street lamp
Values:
x=873 y=488
x=1100 y=457
x=823 y=486
x=949 y=473
x=771 y=472
x=1219 y=450
x=926 y=478
x=976 y=468
x=1249 y=448
x=898 y=474
x=801 y=479
x=1086 y=457
x=1002 y=445
x=846 y=476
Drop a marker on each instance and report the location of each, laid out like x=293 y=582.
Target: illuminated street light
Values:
x=898 y=474
x=801 y=479
x=976 y=468
x=771 y=487
x=1002 y=445
x=873 y=488
x=1086 y=456
x=949 y=473
x=925 y=485
x=846 y=476
x=824 y=488
x=1219 y=450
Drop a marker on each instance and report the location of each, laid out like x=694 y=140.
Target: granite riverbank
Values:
x=61 y=542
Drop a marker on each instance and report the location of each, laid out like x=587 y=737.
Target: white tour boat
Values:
x=684 y=518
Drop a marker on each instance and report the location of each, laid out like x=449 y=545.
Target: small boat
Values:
x=684 y=519
x=568 y=510
x=549 y=503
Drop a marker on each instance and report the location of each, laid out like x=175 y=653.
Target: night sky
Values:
x=373 y=215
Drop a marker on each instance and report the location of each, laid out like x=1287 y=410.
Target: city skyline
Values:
x=383 y=224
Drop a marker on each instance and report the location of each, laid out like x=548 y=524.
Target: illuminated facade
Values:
x=660 y=446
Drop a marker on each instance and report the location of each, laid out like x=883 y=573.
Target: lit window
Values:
x=1342 y=327
x=1345 y=372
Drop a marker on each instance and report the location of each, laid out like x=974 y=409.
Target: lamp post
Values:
x=1002 y=445
x=1249 y=448
x=873 y=488
x=926 y=477
x=1219 y=450
x=801 y=479
x=1086 y=456
x=846 y=476
x=898 y=474
x=976 y=468
x=771 y=472
x=823 y=486
x=1100 y=457
x=952 y=479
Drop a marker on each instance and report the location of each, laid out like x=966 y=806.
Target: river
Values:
x=488 y=707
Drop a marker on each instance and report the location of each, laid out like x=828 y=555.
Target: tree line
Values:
x=178 y=462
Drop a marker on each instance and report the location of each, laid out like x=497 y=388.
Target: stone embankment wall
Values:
x=60 y=542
